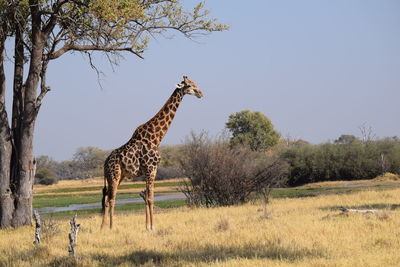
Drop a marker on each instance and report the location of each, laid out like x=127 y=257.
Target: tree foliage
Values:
x=88 y=161
x=252 y=129
x=346 y=139
x=45 y=176
x=342 y=160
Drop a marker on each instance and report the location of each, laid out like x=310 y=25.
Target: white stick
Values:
x=38 y=227
x=73 y=236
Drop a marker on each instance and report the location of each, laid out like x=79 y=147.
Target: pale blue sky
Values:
x=316 y=68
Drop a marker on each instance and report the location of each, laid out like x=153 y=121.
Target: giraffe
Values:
x=140 y=156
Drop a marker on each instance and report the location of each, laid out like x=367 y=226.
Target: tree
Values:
x=44 y=161
x=45 y=176
x=253 y=129
x=346 y=139
x=43 y=31
x=89 y=161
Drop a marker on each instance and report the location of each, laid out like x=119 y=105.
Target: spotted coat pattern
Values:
x=140 y=156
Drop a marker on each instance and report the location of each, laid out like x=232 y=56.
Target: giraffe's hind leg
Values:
x=113 y=179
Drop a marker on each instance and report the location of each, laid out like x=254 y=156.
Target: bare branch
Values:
x=93 y=66
x=43 y=88
x=76 y=47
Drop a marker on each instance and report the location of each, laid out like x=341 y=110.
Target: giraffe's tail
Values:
x=104 y=199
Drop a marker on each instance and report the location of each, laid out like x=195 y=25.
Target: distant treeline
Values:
x=87 y=162
x=347 y=158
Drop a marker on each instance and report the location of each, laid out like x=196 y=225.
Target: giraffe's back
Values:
x=132 y=160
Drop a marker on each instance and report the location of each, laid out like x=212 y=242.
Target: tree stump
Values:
x=73 y=236
x=38 y=227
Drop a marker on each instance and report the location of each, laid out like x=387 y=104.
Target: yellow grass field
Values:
x=300 y=232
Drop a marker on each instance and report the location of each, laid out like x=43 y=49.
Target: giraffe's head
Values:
x=189 y=87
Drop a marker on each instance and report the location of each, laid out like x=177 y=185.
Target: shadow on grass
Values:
x=375 y=206
x=38 y=255
x=209 y=254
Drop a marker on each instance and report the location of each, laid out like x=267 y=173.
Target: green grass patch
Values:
x=171 y=204
x=126 y=207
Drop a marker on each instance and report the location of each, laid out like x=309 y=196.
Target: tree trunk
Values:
x=17 y=168
x=22 y=162
x=6 y=198
x=23 y=179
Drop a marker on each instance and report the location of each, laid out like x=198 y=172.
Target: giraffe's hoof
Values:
x=149 y=228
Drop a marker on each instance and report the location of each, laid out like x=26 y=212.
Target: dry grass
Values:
x=389 y=178
x=98 y=181
x=301 y=232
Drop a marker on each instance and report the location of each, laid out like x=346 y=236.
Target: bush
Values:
x=219 y=175
x=168 y=173
x=45 y=176
x=342 y=160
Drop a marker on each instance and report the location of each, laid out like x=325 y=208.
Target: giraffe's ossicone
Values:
x=139 y=156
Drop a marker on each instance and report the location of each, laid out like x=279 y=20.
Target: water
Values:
x=87 y=206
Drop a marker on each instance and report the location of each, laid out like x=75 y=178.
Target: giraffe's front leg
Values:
x=112 y=198
x=150 y=200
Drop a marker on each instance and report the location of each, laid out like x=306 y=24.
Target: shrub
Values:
x=219 y=175
x=164 y=173
x=342 y=160
x=45 y=176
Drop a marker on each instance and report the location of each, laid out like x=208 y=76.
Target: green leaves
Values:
x=117 y=11
x=252 y=129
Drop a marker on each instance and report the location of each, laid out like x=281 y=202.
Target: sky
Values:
x=316 y=68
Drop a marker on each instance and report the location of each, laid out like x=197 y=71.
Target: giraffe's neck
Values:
x=155 y=129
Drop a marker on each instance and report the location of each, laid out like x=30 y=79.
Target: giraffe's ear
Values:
x=179 y=85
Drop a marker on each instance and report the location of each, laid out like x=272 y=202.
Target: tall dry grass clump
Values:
x=301 y=232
